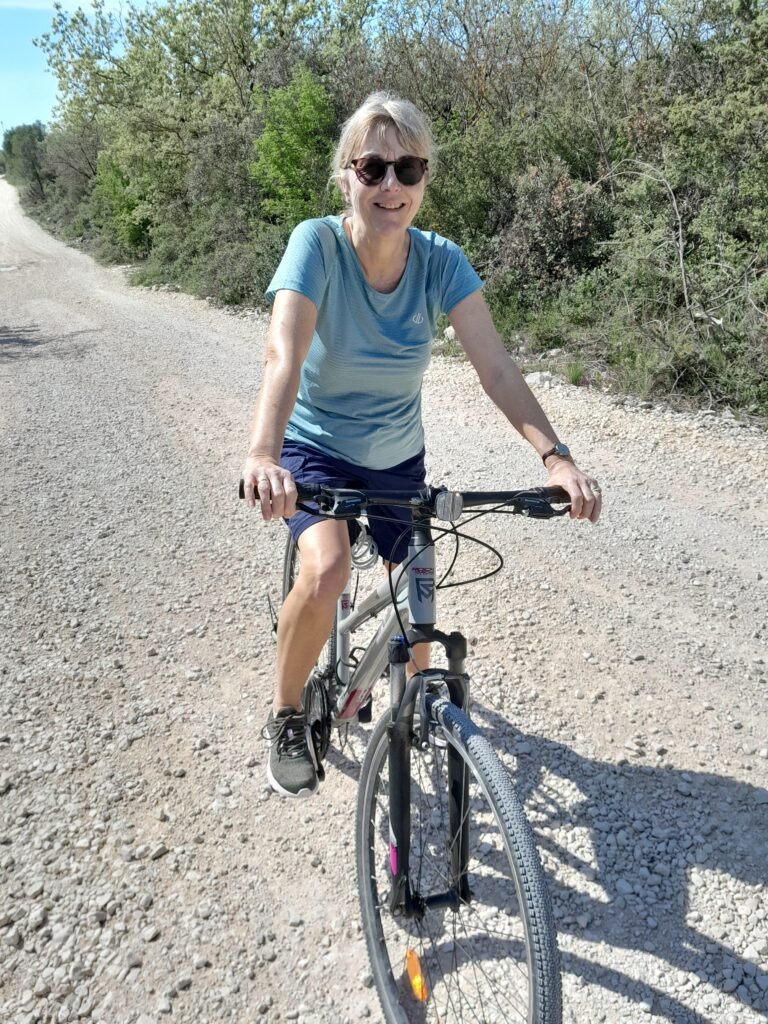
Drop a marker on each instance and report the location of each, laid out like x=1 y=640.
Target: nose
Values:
x=390 y=179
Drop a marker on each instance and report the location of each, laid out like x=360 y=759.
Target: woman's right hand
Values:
x=270 y=486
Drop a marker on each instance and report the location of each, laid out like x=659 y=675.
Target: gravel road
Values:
x=622 y=671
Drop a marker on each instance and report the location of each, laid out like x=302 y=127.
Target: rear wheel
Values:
x=492 y=956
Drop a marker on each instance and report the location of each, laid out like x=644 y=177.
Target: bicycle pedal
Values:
x=365 y=714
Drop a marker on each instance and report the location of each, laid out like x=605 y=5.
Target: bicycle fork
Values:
x=404 y=900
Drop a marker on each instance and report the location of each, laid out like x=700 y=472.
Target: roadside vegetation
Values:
x=604 y=166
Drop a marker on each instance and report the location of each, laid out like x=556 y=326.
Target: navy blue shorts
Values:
x=389 y=525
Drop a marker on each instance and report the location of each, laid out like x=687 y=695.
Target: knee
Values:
x=324 y=579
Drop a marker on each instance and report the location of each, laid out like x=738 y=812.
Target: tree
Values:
x=293 y=152
x=24 y=154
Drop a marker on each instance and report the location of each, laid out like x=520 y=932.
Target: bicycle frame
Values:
x=346 y=688
x=415 y=591
x=355 y=682
x=416 y=596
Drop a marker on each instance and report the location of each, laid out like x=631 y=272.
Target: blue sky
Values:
x=27 y=88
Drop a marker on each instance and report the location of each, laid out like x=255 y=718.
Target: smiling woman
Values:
x=356 y=300
x=381 y=165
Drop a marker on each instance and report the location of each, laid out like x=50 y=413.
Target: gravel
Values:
x=620 y=671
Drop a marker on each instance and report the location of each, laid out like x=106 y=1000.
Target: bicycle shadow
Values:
x=347 y=750
x=651 y=833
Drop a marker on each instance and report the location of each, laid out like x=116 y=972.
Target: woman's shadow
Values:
x=631 y=851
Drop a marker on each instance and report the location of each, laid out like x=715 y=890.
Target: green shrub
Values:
x=293 y=152
x=552 y=236
x=240 y=272
x=206 y=256
x=24 y=159
x=575 y=372
x=468 y=200
x=124 y=233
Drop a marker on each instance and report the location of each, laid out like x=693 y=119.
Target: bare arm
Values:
x=505 y=386
x=288 y=340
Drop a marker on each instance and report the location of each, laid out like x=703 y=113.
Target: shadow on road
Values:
x=20 y=341
x=628 y=846
x=29 y=342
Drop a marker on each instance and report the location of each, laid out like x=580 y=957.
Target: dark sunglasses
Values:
x=372 y=170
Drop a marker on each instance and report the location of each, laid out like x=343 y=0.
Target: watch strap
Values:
x=557 y=449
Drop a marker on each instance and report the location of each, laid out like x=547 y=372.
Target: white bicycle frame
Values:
x=415 y=588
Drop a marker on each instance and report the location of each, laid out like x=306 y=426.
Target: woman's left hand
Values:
x=586 y=496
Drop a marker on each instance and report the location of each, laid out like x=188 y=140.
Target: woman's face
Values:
x=389 y=207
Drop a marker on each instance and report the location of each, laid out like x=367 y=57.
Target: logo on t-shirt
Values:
x=417 y=318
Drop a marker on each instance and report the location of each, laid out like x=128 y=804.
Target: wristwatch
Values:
x=557 y=449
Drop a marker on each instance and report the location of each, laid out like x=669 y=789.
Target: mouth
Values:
x=389 y=206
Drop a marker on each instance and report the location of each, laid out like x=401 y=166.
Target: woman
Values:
x=355 y=303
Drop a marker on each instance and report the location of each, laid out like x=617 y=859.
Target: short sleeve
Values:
x=303 y=267
x=457 y=277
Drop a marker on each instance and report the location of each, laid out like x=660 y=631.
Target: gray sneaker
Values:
x=291 y=769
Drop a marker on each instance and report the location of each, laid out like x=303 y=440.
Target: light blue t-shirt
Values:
x=360 y=392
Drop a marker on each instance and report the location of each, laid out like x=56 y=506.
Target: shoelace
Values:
x=288 y=732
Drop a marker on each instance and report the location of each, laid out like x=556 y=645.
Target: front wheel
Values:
x=492 y=955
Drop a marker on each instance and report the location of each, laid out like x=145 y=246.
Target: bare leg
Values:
x=306 y=617
x=421 y=652
x=420 y=659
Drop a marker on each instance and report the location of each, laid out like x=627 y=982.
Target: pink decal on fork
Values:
x=393 y=857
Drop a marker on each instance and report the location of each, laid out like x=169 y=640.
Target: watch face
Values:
x=562 y=449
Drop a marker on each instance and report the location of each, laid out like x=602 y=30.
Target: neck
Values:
x=382 y=259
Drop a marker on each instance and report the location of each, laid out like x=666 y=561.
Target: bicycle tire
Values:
x=494 y=959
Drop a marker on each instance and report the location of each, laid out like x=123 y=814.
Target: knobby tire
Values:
x=492 y=961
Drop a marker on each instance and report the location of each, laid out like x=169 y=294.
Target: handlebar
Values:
x=435 y=502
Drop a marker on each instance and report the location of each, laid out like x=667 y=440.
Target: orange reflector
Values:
x=416 y=978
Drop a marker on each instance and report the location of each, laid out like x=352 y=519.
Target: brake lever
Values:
x=336 y=506
x=540 y=508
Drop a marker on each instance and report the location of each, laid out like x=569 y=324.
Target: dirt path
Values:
x=622 y=671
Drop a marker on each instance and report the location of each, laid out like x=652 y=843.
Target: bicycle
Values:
x=453 y=898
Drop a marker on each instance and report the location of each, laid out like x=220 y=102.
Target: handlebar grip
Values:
x=556 y=494
x=306 y=492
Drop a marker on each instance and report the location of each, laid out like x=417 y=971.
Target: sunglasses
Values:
x=372 y=170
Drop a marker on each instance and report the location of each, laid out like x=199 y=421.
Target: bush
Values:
x=240 y=272
x=293 y=152
x=124 y=233
x=468 y=200
x=214 y=256
x=551 y=237
x=24 y=159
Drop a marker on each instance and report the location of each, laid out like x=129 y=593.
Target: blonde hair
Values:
x=379 y=112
